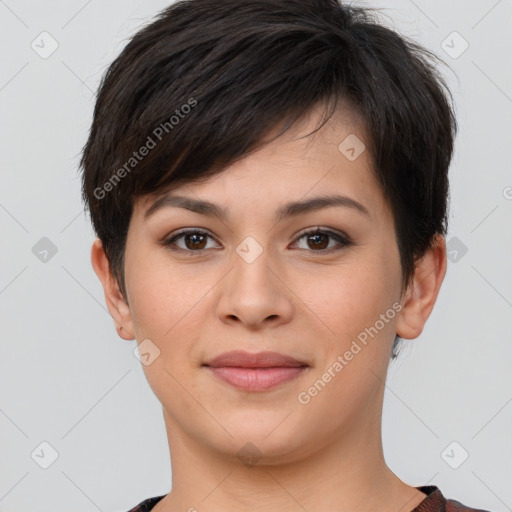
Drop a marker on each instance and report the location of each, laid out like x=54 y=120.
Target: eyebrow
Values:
x=288 y=210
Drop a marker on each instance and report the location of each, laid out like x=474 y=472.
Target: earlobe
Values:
x=114 y=299
x=423 y=290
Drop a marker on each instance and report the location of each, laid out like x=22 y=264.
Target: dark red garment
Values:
x=434 y=502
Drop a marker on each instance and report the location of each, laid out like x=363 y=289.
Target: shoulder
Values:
x=436 y=502
x=457 y=506
x=147 y=504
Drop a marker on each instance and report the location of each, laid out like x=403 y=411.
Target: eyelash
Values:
x=343 y=240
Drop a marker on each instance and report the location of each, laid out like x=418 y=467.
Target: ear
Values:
x=115 y=301
x=422 y=292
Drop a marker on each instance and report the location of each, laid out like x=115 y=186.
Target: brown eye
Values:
x=318 y=240
x=193 y=240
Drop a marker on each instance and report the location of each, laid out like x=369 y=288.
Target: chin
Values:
x=265 y=439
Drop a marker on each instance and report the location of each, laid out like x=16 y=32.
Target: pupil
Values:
x=315 y=237
x=194 y=238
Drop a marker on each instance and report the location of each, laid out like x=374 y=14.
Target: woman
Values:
x=268 y=181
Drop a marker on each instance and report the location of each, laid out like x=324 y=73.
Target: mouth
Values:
x=255 y=371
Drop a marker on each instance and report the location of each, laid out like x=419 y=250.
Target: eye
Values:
x=195 y=240
x=317 y=239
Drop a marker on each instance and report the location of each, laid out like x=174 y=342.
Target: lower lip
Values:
x=256 y=379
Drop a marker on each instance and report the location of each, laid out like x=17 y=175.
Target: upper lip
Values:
x=244 y=359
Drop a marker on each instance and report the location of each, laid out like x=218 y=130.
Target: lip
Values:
x=243 y=359
x=255 y=371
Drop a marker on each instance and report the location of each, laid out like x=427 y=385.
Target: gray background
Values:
x=68 y=380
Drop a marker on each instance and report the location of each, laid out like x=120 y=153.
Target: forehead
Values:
x=335 y=159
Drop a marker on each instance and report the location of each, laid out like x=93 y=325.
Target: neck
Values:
x=348 y=474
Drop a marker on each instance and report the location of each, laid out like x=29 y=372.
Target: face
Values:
x=253 y=280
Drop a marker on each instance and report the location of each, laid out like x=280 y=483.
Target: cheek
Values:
x=148 y=303
x=156 y=293
x=168 y=303
x=353 y=298
x=163 y=309
x=351 y=305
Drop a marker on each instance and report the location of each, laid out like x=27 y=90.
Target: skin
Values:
x=294 y=299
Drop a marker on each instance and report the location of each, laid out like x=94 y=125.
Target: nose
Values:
x=255 y=293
